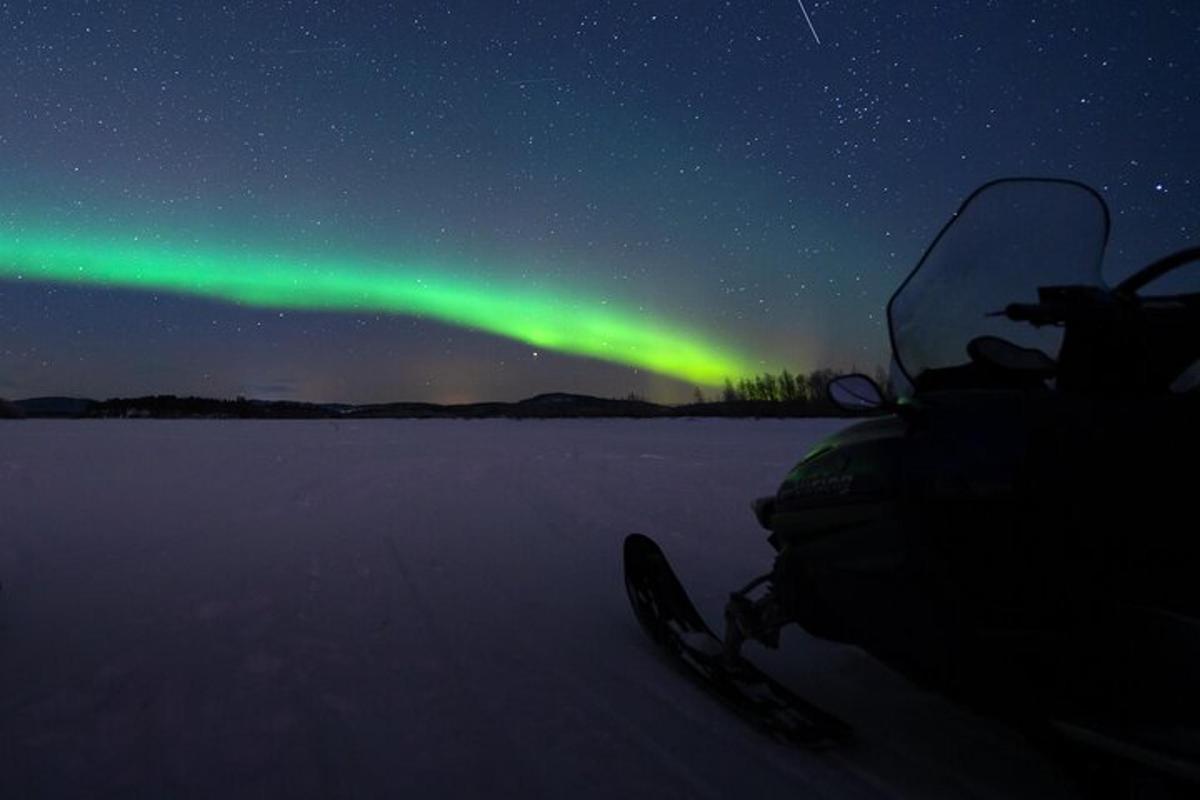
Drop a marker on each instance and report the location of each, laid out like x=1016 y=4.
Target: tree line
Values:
x=784 y=387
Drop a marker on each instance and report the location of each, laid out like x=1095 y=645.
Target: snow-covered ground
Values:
x=416 y=609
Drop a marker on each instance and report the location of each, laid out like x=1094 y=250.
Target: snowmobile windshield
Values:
x=1009 y=238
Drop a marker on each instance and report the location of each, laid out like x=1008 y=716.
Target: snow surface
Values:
x=417 y=609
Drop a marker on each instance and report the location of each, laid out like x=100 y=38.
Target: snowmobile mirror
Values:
x=855 y=393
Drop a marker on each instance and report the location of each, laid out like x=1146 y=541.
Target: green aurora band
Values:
x=539 y=317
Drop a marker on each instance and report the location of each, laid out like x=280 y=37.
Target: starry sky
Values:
x=457 y=201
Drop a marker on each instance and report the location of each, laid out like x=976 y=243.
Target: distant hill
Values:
x=10 y=410
x=56 y=406
x=558 y=404
x=169 y=406
x=542 y=406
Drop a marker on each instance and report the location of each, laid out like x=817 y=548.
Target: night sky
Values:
x=456 y=201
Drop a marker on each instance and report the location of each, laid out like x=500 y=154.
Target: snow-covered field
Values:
x=416 y=609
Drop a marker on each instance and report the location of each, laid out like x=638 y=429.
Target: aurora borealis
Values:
x=452 y=200
x=544 y=319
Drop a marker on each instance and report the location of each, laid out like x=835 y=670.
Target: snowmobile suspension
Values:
x=747 y=617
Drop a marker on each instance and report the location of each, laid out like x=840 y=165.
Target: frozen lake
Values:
x=419 y=609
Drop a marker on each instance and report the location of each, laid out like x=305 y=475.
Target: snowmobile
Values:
x=1017 y=529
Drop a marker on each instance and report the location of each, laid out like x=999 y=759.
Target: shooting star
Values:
x=807 y=19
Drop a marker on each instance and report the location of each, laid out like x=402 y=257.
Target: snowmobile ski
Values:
x=672 y=621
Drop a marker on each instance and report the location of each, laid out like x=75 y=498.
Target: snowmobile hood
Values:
x=871 y=430
x=858 y=461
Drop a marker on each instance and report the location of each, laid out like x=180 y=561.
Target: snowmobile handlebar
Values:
x=1059 y=305
x=1064 y=305
x=1033 y=313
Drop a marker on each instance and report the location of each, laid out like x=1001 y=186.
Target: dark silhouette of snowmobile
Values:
x=1018 y=529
